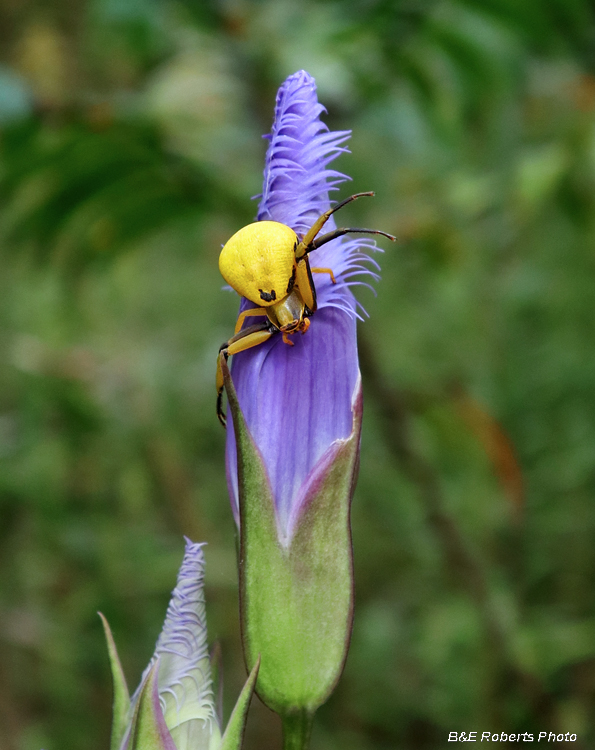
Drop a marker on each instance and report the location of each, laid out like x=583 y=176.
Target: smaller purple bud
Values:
x=173 y=707
x=184 y=683
x=175 y=695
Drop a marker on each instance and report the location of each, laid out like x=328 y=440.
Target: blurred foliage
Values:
x=129 y=147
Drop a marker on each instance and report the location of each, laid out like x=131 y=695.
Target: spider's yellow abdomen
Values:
x=268 y=264
x=259 y=262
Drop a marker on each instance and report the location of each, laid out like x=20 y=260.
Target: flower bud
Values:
x=173 y=707
x=292 y=449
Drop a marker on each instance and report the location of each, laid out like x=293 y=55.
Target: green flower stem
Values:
x=297 y=728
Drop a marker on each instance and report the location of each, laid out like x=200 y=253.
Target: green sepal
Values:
x=121 y=705
x=296 y=598
x=148 y=730
x=234 y=732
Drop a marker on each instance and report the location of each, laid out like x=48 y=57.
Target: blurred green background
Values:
x=130 y=144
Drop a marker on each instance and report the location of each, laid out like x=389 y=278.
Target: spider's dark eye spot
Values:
x=268 y=296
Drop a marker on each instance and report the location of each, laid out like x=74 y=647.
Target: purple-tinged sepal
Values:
x=173 y=708
x=148 y=729
x=296 y=581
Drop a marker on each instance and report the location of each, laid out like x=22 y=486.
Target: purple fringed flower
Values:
x=299 y=402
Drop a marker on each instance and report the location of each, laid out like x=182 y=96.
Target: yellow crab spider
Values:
x=267 y=263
